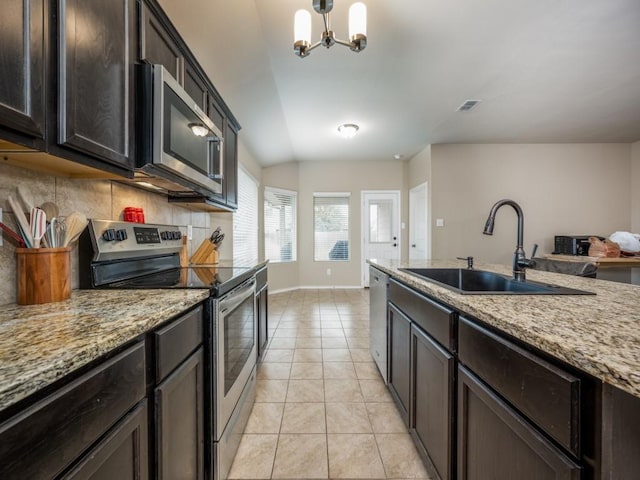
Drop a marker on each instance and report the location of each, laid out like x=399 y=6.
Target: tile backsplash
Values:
x=100 y=199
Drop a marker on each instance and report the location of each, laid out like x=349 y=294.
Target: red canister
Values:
x=129 y=214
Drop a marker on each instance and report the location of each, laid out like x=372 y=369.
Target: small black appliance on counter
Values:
x=573 y=244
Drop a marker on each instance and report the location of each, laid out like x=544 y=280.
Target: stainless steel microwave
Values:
x=179 y=149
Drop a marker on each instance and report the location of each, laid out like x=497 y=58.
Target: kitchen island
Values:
x=561 y=371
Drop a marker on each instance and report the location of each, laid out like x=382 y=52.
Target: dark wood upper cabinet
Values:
x=96 y=84
x=22 y=63
x=215 y=113
x=157 y=46
x=230 y=181
x=195 y=87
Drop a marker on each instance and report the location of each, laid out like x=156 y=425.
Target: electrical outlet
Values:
x=328 y=272
x=189 y=232
x=439 y=222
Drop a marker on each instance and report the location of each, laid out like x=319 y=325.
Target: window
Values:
x=245 y=219
x=279 y=225
x=331 y=226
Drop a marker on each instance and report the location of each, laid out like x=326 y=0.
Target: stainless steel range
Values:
x=126 y=255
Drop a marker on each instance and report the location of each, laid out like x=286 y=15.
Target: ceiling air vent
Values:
x=468 y=105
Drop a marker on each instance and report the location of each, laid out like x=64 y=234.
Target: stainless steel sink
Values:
x=480 y=282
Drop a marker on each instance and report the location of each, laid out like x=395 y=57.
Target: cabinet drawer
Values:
x=45 y=438
x=547 y=395
x=435 y=319
x=176 y=341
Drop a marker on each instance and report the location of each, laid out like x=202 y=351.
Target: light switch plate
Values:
x=439 y=222
x=189 y=232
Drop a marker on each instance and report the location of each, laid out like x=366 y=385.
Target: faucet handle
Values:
x=535 y=249
x=469 y=261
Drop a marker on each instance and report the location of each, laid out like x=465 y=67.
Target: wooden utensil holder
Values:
x=44 y=275
x=205 y=254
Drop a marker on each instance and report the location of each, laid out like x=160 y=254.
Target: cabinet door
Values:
x=230 y=166
x=400 y=360
x=95 y=111
x=215 y=112
x=180 y=422
x=432 y=402
x=156 y=45
x=121 y=455
x=22 y=65
x=488 y=429
x=195 y=87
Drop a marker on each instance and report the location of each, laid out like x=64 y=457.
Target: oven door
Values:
x=235 y=350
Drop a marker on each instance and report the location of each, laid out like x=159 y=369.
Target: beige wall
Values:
x=562 y=189
x=635 y=187
x=418 y=171
x=332 y=176
x=282 y=276
x=101 y=199
x=419 y=168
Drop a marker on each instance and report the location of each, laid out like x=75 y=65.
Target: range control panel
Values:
x=113 y=240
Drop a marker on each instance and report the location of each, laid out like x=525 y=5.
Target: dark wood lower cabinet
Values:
x=495 y=442
x=400 y=360
x=180 y=422
x=433 y=373
x=48 y=437
x=121 y=455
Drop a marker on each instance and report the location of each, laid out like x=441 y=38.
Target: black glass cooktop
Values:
x=218 y=279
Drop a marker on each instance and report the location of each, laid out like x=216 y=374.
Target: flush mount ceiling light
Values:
x=357 y=28
x=348 y=130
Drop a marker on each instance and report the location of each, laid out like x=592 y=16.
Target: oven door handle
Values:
x=236 y=296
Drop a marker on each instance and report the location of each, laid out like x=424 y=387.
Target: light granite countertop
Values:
x=599 y=334
x=40 y=344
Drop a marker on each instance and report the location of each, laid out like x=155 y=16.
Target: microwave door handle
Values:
x=219 y=145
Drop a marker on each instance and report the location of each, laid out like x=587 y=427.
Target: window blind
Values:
x=331 y=226
x=245 y=220
x=279 y=225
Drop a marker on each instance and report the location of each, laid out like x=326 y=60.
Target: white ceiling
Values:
x=546 y=71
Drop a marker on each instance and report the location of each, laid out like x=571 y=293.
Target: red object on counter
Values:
x=133 y=214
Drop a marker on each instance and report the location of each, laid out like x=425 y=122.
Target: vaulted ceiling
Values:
x=546 y=71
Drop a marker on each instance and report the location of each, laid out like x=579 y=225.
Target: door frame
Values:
x=363 y=226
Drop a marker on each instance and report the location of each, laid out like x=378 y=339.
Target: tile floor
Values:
x=322 y=410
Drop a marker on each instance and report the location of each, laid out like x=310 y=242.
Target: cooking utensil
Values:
x=13 y=235
x=75 y=224
x=218 y=240
x=37 y=225
x=25 y=198
x=21 y=220
x=51 y=209
x=216 y=237
x=57 y=232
